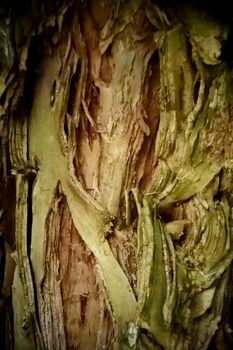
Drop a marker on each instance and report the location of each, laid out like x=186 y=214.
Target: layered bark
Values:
x=116 y=132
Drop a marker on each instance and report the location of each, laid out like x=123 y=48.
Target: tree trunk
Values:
x=116 y=169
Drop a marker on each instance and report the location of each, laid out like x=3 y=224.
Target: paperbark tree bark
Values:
x=116 y=176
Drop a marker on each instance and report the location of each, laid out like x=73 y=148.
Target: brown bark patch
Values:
x=87 y=320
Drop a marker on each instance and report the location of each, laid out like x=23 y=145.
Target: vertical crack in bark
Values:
x=24 y=275
x=29 y=323
x=147 y=158
x=7 y=238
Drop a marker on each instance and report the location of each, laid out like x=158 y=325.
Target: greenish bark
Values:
x=116 y=165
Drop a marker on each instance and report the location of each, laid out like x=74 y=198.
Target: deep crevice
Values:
x=31 y=179
x=147 y=156
x=2 y=262
x=73 y=89
x=34 y=56
x=227 y=48
x=66 y=129
x=196 y=89
x=29 y=213
x=7 y=324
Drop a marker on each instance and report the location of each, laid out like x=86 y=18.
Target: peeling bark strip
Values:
x=116 y=125
x=28 y=321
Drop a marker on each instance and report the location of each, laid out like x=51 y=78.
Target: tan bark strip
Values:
x=23 y=263
x=155 y=284
x=26 y=313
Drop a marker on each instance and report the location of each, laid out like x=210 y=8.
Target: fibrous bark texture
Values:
x=116 y=169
